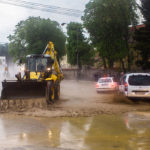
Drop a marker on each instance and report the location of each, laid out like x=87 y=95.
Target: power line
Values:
x=42 y=7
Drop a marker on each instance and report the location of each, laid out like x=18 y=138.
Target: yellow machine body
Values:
x=35 y=82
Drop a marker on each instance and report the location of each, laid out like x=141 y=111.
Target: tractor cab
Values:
x=38 y=66
x=39 y=63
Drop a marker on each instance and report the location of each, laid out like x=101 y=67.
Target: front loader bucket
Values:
x=12 y=89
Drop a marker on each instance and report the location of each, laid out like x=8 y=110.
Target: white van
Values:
x=135 y=85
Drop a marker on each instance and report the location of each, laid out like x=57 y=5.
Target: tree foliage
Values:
x=142 y=36
x=107 y=22
x=32 y=35
x=78 y=50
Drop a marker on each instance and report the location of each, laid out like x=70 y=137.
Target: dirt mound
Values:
x=22 y=104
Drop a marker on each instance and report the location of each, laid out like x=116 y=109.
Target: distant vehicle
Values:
x=2 y=60
x=3 y=67
x=135 y=85
x=106 y=84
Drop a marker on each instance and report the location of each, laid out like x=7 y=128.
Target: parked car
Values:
x=135 y=85
x=106 y=84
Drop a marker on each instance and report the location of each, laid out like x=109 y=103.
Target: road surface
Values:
x=78 y=98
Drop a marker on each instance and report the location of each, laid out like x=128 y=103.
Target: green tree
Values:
x=107 y=22
x=79 y=51
x=32 y=35
x=142 y=36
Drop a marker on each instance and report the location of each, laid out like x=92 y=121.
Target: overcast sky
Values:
x=10 y=15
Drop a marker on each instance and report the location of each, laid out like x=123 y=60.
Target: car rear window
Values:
x=139 y=80
x=104 y=80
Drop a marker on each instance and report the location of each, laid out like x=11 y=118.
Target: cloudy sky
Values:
x=10 y=15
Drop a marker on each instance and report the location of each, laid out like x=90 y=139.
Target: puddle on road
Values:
x=104 y=132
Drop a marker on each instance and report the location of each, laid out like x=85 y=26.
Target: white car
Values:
x=106 y=84
x=135 y=85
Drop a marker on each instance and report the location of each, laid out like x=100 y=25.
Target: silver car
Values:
x=106 y=84
x=135 y=85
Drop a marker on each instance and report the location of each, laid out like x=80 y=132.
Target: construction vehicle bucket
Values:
x=12 y=89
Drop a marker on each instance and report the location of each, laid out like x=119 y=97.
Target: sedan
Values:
x=106 y=84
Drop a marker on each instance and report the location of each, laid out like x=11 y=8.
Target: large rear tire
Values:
x=50 y=92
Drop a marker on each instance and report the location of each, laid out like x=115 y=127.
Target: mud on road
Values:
x=78 y=98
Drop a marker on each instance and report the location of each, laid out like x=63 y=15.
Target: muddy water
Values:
x=104 y=132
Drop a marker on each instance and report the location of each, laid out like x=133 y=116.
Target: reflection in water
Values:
x=140 y=126
x=93 y=133
x=73 y=133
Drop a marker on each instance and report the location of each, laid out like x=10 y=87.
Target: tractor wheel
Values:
x=50 y=92
x=57 y=91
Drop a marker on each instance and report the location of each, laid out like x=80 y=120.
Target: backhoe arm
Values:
x=49 y=50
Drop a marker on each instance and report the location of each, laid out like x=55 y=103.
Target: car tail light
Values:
x=113 y=84
x=126 y=86
x=97 y=85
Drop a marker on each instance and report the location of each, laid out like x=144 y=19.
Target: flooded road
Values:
x=78 y=98
x=104 y=132
x=81 y=120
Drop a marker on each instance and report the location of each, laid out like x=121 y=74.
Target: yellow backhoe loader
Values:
x=42 y=77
